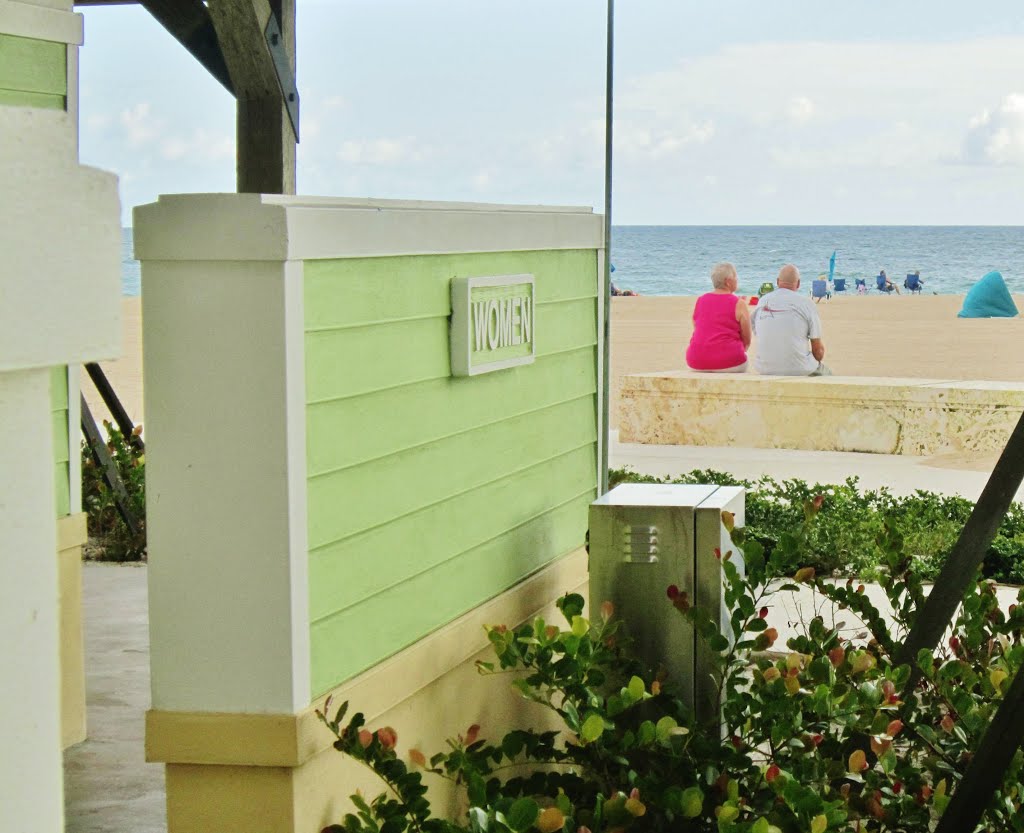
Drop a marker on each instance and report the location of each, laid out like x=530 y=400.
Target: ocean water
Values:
x=677 y=260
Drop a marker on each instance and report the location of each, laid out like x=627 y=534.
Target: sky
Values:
x=734 y=112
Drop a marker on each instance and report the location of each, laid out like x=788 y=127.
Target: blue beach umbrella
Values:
x=832 y=266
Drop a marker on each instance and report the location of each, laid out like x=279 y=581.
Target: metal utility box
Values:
x=645 y=537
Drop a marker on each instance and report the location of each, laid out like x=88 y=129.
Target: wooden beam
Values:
x=265 y=139
x=188 y=21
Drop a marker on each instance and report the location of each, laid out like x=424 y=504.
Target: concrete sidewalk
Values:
x=108 y=786
x=964 y=474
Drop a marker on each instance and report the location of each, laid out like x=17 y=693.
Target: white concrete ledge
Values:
x=837 y=413
x=250 y=227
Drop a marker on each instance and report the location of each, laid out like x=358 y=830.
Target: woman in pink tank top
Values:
x=721 y=326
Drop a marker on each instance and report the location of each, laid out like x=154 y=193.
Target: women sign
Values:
x=492 y=323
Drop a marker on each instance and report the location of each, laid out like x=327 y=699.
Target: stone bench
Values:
x=837 y=413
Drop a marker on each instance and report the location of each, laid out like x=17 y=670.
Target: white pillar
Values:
x=31 y=778
x=59 y=305
x=225 y=485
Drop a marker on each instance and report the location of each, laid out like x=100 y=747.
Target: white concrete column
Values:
x=31 y=770
x=225 y=483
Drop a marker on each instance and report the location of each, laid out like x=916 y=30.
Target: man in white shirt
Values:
x=788 y=331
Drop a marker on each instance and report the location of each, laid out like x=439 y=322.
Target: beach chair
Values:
x=881 y=283
x=861 y=284
x=819 y=290
x=839 y=285
x=913 y=282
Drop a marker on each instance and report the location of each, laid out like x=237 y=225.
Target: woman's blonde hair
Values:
x=721 y=273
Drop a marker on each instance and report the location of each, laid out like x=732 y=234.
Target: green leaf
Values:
x=691 y=803
x=636 y=688
x=522 y=814
x=593 y=728
x=646 y=734
x=571 y=605
x=512 y=744
x=572 y=716
x=664 y=728
x=476 y=788
x=478 y=821
x=580 y=626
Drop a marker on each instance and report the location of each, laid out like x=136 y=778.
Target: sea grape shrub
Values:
x=844 y=540
x=103 y=522
x=821 y=734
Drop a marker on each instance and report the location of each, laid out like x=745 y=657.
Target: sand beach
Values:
x=891 y=336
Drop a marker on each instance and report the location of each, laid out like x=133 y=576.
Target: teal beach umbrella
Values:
x=989 y=298
x=832 y=266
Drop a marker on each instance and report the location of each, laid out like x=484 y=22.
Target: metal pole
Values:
x=607 y=285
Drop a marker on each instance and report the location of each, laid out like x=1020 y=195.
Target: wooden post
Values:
x=265 y=137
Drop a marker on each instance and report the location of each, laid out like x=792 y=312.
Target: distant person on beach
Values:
x=913 y=281
x=721 y=326
x=788 y=331
x=886 y=285
x=619 y=292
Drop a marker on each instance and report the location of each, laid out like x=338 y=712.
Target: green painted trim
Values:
x=443 y=407
x=59 y=421
x=562 y=326
x=347 y=572
x=363 y=497
x=363 y=292
x=365 y=634
x=59 y=387
x=28 y=65
x=59 y=429
x=41 y=101
x=421 y=485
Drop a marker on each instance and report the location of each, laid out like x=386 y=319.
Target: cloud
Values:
x=202 y=144
x=383 y=151
x=98 y=121
x=856 y=85
x=140 y=127
x=637 y=142
x=996 y=137
x=800 y=109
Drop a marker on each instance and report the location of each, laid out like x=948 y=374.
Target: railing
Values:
x=98 y=446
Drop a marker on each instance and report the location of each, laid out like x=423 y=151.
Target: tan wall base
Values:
x=852 y=413
x=296 y=781
x=71 y=535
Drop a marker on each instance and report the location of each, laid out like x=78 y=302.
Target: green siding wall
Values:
x=429 y=494
x=33 y=73
x=59 y=421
